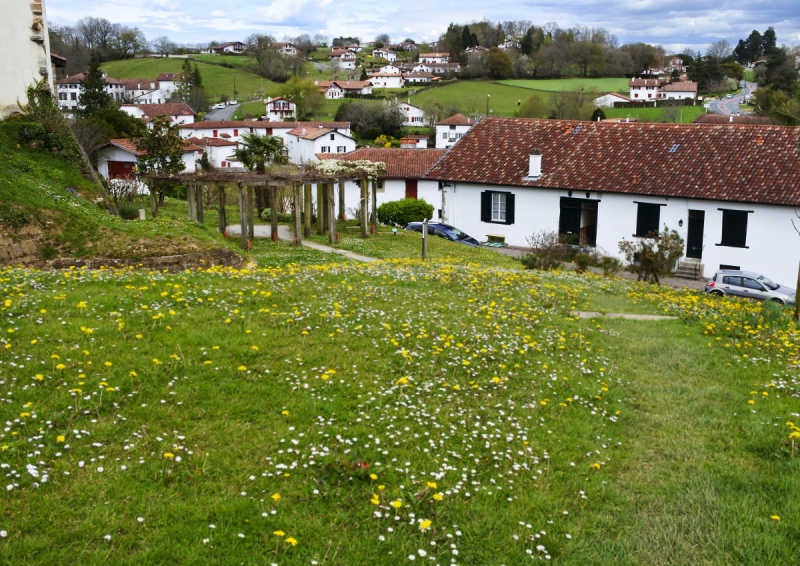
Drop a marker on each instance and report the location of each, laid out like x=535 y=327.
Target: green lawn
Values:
x=366 y=413
x=652 y=114
x=603 y=85
x=217 y=80
x=472 y=95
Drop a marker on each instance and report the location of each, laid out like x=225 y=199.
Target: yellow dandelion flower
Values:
x=425 y=525
x=396 y=504
x=279 y=533
x=276 y=497
x=438 y=496
x=169 y=455
x=291 y=541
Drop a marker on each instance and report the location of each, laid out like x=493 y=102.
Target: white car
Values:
x=220 y=105
x=232 y=103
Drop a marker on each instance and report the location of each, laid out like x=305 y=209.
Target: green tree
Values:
x=769 y=41
x=363 y=76
x=498 y=64
x=733 y=70
x=534 y=107
x=94 y=95
x=259 y=153
x=305 y=94
x=654 y=256
x=526 y=45
x=162 y=150
x=598 y=115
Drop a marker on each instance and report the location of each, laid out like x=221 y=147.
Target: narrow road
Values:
x=730 y=106
x=221 y=113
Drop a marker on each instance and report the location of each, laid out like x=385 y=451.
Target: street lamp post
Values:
x=487 y=103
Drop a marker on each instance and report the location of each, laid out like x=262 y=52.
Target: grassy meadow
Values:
x=449 y=412
x=472 y=96
x=653 y=114
x=603 y=85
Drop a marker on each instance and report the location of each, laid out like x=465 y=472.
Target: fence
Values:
x=657 y=103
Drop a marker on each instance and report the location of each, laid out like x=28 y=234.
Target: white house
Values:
x=143 y=91
x=389 y=69
x=218 y=151
x=168 y=82
x=345 y=58
x=608 y=100
x=599 y=183
x=434 y=57
x=117 y=159
x=387 y=54
x=679 y=90
x=232 y=131
x=230 y=47
x=355 y=87
x=330 y=89
x=655 y=89
x=178 y=112
x=509 y=44
x=452 y=129
x=279 y=109
x=422 y=68
x=421 y=77
x=414 y=141
x=387 y=80
x=478 y=49
x=405 y=169
x=305 y=141
x=445 y=69
x=412 y=115
x=25 y=57
x=69 y=91
x=644 y=89
x=287 y=49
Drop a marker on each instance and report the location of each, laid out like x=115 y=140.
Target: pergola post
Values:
x=374 y=211
x=273 y=209
x=307 y=211
x=153 y=199
x=251 y=228
x=242 y=216
x=199 y=210
x=320 y=209
x=363 y=208
x=298 y=207
x=190 y=201
x=342 y=215
x=333 y=236
x=223 y=222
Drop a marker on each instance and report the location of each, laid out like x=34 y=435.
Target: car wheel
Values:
x=777 y=301
x=718 y=293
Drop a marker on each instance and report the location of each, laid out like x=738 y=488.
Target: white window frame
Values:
x=498 y=207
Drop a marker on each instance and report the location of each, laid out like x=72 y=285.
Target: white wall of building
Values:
x=608 y=100
x=412 y=115
x=387 y=81
x=447 y=136
x=303 y=150
x=539 y=209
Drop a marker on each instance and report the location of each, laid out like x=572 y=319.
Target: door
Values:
x=694 y=237
x=569 y=221
x=120 y=170
x=411 y=188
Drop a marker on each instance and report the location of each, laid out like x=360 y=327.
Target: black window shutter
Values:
x=647 y=219
x=486 y=206
x=509 y=208
x=734 y=228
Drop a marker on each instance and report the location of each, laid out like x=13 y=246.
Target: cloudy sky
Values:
x=675 y=24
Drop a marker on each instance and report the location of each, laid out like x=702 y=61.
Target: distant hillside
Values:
x=45 y=199
x=216 y=79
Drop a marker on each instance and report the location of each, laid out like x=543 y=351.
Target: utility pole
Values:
x=234 y=86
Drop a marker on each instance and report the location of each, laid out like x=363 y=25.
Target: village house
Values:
x=387 y=54
x=345 y=58
x=353 y=48
x=218 y=151
x=655 y=89
x=452 y=129
x=305 y=141
x=445 y=70
x=387 y=80
x=678 y=90
x=355 y=87
x=330 y=89
x=406 y=46
x=414 y=141
x=644 y=89
x=598 y=183
x=232 y=130
x=508 y=44
x=421 y=77
x=168 y=82
x=434 y=57
x=389 y=69
x=25 y=58
x=287 y=49
x=279 y=109
x=608 y=100
x=478 y=49
x=405 y=169
x=412 y=115
x=230 y=47
x=178 y=112
x=676 y=63
x=117 y=159
x=143 y=91
x=69 y=90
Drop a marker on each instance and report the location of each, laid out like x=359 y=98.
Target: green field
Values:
x=472 y=95
x=217 y=80
x=653 y=114
x=604 y=85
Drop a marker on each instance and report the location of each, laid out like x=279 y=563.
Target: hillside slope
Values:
x=44 y=198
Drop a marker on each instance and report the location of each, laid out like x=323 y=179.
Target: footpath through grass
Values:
x=355 y=414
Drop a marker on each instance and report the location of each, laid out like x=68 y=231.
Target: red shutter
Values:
x=235 y=132
x=215 y=133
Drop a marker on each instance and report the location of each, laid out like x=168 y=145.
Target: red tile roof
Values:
x=722 y=119
x=400 y=163
x=644 y=82
x=215 y=142
x=168 y=109
x=308 y=133
x=139 y=84
x=169 y=77
x=77 y=79
x=353 y=85
x=218 y=124
x=758 y=164
x=456 y=120
x=129 y=145
x=681 y=86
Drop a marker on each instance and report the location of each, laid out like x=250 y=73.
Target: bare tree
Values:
x=383 y=38
x=162 y=45
x=719 y=49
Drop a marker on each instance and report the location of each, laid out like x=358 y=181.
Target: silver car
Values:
x=749 y=284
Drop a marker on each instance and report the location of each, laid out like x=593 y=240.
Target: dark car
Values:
x=749 y=284
x=445 y=231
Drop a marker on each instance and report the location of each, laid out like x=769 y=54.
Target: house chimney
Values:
x=731 y=118
x=304 y=131
x=535 y=164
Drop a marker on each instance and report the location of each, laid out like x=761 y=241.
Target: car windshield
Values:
x=767 y=282
x=457 y=233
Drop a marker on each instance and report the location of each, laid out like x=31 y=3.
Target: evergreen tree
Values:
x=94 y=95
x=197 y=80
x=526 y=45
x=363 y=76
x=466 y=39
x=769 y=41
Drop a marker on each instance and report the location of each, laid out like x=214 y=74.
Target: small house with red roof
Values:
x=117 y=159
x=412 y=115
x=177 y=112
x=306 y=141
x=452 y=129
x=279 y=109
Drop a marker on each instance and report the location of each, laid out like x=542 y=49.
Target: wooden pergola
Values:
x=300 y=181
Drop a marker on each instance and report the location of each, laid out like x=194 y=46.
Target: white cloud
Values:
x=218 y=14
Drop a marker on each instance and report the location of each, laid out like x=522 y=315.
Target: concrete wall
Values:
x=22 y=61
x=771 y=238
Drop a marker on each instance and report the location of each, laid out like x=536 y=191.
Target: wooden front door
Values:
x=120 y=170
x=694 y=237
x=411 y=188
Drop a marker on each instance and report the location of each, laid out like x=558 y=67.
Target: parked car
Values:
x=730 y=95
x=749 y=284
x=219 y=105
x=232 y=103
x=445 y=231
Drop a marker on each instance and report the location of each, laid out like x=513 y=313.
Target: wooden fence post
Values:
x=190 y=201
x=307 y=211
x=201 y=190
x=273 y=208
x=320 y=210
x=363 y=208
x=153 y=200
x=243 y=216
x=223 y=221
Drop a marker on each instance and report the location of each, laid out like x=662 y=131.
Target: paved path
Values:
x=285 y=233
x=590 y=314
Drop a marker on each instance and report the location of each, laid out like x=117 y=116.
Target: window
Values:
x=497 y=207
x=341 y=149
x=444 y=136
x=647 y=219
x=748 y=283
x=333 y=136
x=325 y=149
x=380 y=188
x=235 y=132
x=734 y=228
x=214 y=133
x=732 y=280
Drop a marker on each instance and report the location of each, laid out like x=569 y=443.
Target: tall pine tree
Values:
x=94 y=96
